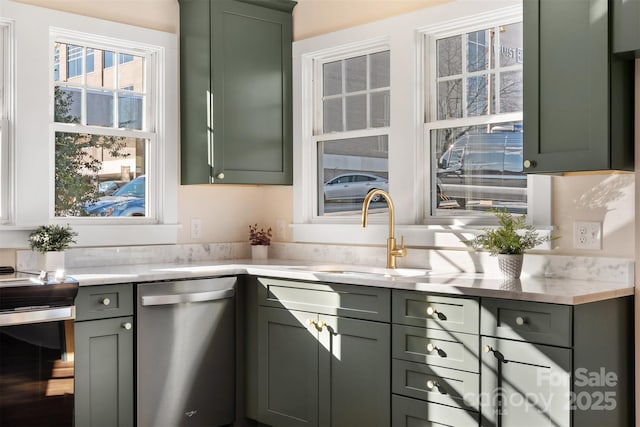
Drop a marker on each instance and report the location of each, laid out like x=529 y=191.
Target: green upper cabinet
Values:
x=578 y=96
x=626 y=27
x=235 y=65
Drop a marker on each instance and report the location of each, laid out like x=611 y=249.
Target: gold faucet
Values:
x=392 y=250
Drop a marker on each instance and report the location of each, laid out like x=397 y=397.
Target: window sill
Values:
x=100 y=235
x=441 y=236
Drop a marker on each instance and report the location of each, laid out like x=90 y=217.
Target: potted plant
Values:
x=260 y=241
x=50 y=241
x=508 y=241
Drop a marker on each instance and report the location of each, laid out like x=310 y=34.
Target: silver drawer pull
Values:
x=431 y=311
x=431 y=348
x=521 y=320
x=487 y=349
x=105 y=301
x=127 y=326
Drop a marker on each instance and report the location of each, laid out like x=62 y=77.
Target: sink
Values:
x=363 y=271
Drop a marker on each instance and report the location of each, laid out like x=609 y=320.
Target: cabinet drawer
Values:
x=435 y=347
x=433 y=311
x=360 y=302
x=436 y=384
x=101 y=302
x=527 y=321
x=416 y=413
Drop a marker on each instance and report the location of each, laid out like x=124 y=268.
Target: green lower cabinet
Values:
x=320 y=370
x=104 y=373
x=416 y=413
x=287 y=368
x=524 y=384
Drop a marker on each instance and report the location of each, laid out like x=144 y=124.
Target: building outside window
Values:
x=102 y=133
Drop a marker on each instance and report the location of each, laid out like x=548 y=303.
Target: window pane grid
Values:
x=101 y=142
x=475 y=137
x=347 y=93
x=94 y=88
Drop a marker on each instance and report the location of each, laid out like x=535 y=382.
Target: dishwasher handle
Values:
x=178 y=298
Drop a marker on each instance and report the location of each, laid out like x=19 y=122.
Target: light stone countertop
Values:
x=538 y=289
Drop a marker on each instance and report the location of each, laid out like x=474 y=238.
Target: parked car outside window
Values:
x=128 y=200
x=353 y=186
x=107 y=188
x=483 y=171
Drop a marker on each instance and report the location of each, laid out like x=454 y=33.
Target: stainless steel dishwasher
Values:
x=186 y=353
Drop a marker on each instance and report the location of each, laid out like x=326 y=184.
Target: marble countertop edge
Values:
x=535 y=289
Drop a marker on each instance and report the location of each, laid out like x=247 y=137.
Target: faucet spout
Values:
x=393 y=250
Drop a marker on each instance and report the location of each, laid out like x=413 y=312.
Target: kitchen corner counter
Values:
x=537 y=289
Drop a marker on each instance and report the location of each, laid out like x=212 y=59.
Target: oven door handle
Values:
x=37 y=316
x=171 y=299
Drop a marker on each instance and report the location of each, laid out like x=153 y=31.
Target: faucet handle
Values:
x=400 y=251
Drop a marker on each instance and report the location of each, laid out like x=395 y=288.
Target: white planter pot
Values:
x=259 y=252
x=510 y=265
x=51 y=261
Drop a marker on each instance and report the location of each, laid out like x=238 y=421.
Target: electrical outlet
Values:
x=587 y=235
x=196 y=228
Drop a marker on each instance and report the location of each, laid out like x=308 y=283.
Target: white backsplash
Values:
x=618 y=270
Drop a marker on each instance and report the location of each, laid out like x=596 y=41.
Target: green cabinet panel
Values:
x=436 y=311
x=104 y=373
x=319 y=370
x=578 y=96
x=360 y=302
x=436 y=347
x=236 y=92
x=525 y=384
x=415 y=413
x=436 y=384
x=626 y=27
x=527 y=321
x=287 y=368
x=355 y=377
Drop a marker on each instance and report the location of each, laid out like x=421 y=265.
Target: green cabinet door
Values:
x=104 y=373
x=578 y=112
x=626 y=27
x=287 y=368
x=195 y=92
x=355 y=375
x=236 y=92
x=524 y=384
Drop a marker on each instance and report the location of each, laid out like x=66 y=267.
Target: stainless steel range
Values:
x=36 y=350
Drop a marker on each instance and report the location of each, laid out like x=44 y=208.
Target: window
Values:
x=447 y=144
x=6 y=88
x=102 y=135
x=352 y=136
x=74 y=61
x=475 y=128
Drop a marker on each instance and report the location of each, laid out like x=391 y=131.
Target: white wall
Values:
x=226 y=211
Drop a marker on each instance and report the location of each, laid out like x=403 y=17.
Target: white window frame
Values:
x=367 y=48
x=153 y=57
x=408 y=171
x=34 y=149
x=6 y=118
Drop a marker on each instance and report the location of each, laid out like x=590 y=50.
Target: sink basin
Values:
x=369 y=271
